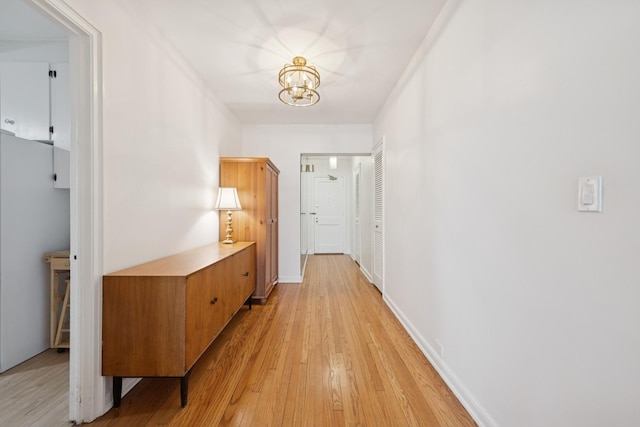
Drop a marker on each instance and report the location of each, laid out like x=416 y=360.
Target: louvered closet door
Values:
x=378 y=210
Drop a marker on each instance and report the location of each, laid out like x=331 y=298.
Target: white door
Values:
x=378 y=205
x=356 y=219
x=330 y=215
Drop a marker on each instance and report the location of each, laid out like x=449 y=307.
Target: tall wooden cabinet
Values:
x=256 y=179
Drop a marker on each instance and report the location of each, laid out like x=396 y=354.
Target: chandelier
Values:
x=299 y=83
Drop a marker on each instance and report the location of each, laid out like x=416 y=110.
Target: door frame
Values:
x=87 y=397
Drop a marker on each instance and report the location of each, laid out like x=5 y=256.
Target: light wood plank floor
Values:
x=36 y=392
x=325 y=353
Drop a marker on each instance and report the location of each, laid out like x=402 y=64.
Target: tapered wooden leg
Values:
x=184 y=389
x=117 y=391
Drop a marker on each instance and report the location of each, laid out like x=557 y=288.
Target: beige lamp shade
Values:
x=228 y=200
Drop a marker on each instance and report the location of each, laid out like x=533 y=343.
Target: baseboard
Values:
x=477 y=412
x=366 y=274
x=127 y=386
x=289 y=279
x=304 y=267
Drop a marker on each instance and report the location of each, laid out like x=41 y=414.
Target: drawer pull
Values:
x=215 y=300
x=246 y=274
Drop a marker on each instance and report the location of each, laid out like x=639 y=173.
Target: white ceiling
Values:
x=360 y=48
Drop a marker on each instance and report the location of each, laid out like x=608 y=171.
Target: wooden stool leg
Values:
x=54 y=307
x=63 y=315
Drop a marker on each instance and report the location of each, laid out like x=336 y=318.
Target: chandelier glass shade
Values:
x=299 y=83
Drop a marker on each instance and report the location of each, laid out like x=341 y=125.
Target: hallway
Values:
x=327 y=352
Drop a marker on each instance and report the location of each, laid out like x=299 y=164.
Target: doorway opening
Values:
x=333 y=197
x=87 y=399
x=35 y=211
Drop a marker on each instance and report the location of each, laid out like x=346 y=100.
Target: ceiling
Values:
x=360 y=48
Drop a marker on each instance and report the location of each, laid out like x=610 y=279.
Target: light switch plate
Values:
x=590 y=194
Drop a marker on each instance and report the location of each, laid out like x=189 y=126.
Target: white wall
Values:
x=536 y=306
x=163 y=130
x=283 y=144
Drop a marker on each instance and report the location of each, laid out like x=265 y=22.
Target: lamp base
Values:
x=229 y=229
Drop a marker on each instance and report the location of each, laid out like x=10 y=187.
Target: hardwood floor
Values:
x=36 y=392
x=327 y=352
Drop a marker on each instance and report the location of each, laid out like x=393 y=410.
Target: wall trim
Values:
x=419 y=56
x=304 y=267
x=366 y=273
x=289 y=279
x=477 y=412
x=86 y=384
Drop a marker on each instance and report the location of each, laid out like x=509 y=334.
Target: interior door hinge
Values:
x=53 y=74
x=50 y=129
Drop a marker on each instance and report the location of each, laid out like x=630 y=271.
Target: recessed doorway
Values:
x=334 y=202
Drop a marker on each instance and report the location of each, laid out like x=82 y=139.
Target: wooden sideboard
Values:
x=159 y=317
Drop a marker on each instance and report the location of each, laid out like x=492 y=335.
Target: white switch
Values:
x=590 y=194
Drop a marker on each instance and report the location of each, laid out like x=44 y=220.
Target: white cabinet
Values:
x=25 y=99
x=60 y=124
x=34 y=219
x=60 y=106
x=61 y=168
x=34 y=100
x=34 y=104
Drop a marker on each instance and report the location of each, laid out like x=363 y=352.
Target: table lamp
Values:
x=228 y=200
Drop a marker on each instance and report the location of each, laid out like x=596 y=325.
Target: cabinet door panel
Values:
x=273 y=249
x=242 y=278
x=61 y=168
x=24 y=104
x=60 y=110
x=143 y=326
x=268 y=265
x=205 y=312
